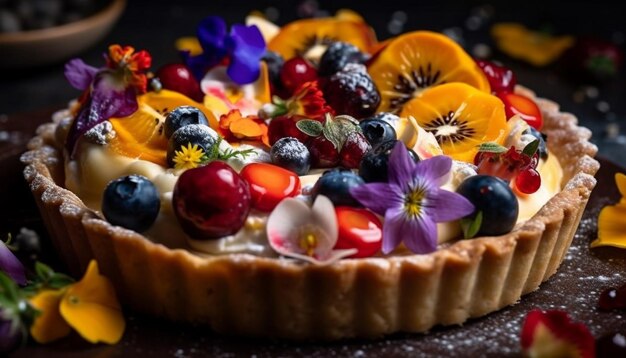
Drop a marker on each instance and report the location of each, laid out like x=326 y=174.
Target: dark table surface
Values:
x=27 y=97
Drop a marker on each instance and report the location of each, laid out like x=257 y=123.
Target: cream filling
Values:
x=95 y=166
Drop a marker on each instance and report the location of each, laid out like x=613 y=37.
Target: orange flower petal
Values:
x=228 y=118
x=91 y=307
x=246 y=128
x=50 y=325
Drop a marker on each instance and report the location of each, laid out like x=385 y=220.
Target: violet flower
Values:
x=242 y=49
x=11 y=333
x=111 y=91
x=412 y=201
x=10 y=265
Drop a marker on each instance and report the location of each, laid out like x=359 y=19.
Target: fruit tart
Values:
x=308 y=182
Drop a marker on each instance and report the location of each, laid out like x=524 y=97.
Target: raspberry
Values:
x=353 y=150
x=352 y=92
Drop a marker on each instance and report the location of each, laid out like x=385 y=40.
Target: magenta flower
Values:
x=110 y=91
x=241 y=49
x=412 y=201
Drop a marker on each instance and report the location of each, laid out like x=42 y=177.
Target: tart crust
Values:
x=248 y=295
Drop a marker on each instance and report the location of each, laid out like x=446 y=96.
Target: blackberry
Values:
x=352 y=91
x=337 y=56
x=274 y=63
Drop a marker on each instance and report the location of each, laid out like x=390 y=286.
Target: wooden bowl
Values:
x=40 y=47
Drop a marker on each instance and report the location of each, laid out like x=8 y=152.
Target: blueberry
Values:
x=193 y=134
x=373 y=166
x=183 y=116
x=132 y=202
x=495 y=199
x=543 y=152
x=337 y=56
x=291 y=154
x=377 y=131
x=335 y=184
x=274 y=64
x=388 y=117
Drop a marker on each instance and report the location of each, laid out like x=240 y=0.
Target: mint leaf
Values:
x=310 y=127
x=471 y=226
x=59 y=280
x=531 y=148
x=8 y=288
x=43 y=271
x=491 y=147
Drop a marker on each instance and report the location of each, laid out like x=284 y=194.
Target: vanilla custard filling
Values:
x=95 y=166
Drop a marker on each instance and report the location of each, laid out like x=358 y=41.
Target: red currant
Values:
x=353 y=150
x=295 y=72
x=523 y=106
x=323 y=153
x=501 y=79
x=613 y=298
x=528 y=181
x=177 y=77
x=358 y=229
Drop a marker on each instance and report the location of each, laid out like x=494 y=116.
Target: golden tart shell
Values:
x=256 y=296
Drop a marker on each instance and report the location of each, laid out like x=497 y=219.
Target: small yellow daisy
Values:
x=190 y=156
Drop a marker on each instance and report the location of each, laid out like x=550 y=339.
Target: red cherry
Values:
x=269 y=184
x=177 y=77
x=297 y=71
x=323 y=153
x=353 y=150
x=211 y=202
x=528 y=181
x=283 y=126
x=523 y=106
x=358 y=229
x=501 y=79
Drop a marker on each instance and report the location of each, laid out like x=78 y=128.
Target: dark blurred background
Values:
x=155 y=25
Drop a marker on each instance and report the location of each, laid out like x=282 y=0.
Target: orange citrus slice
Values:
x=460 y=117
x=419 y=60
x=141 y=134
x=310 y=37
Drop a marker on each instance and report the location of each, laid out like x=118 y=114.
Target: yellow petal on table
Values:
x=611 y=224
x=190 y=44
x=536 y=48
x=91 y=307
x=620 y=180
x=49 y=325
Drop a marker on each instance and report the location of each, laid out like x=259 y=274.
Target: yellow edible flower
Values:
x=189 y=157
x=536 y=48
x=611 y=223
x=89 y=306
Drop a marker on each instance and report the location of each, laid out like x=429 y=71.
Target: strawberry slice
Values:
x=523 y=106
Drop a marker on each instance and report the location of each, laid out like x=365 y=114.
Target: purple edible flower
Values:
x=110 y=91
x=10 y=265
x=412 y=202
x=10 y=334
x=242 y=49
